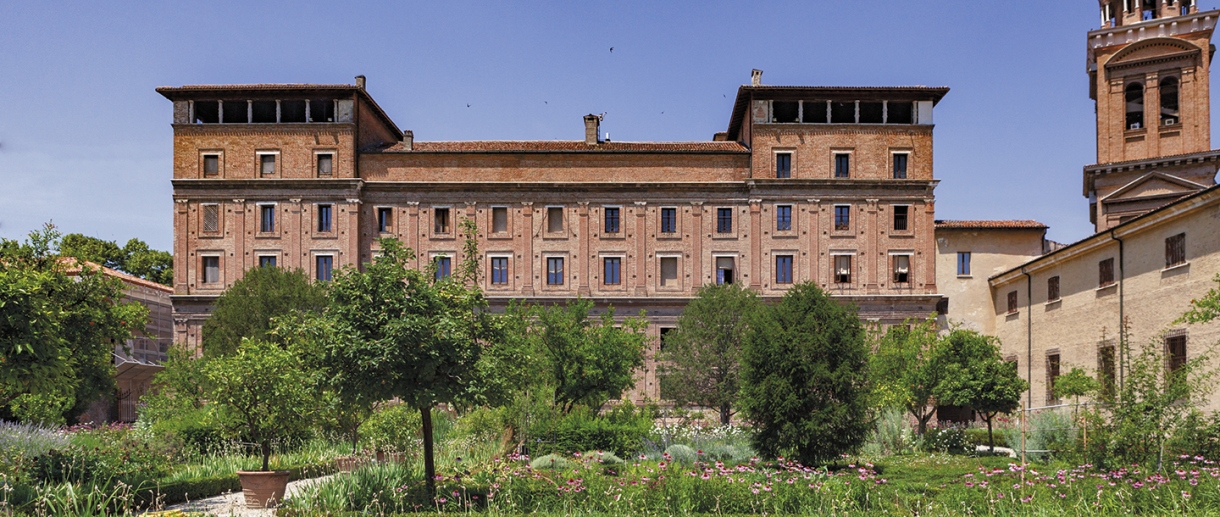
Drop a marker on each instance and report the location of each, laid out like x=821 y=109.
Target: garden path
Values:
x=234 y=504
x=1001 y=450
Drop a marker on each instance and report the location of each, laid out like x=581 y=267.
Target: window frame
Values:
x=263 y=257
x=317 y=267
x=508 y=221
x=835 y=218
x=319 y=209
x=910 y=274
x=275 y=163
x=1054 y=370
x=1014 y=302
x=838 y=278
x=717 y=277
x=203 y=229
x=618 y=219
x=563 y=221
x=721 y=220
x=492 y=258
x=1105 y=273
x=906 y=164
x=317 y=163
x=262 y=220
x=553 y=273
x=963 y=272
x=448 y=230
x=661 y=258
x=1053 y=289
x=836 y=172
x=203 y=269
x=444 y=264
x=783 y=173
x=605 y=263
x=779 y=208
x=784 y=276
x=384 y=224
x=203 y=161
x=675 y=229
x=907 y=219
x=1175 y=251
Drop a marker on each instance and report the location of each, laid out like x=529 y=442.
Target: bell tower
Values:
x=1148 y=69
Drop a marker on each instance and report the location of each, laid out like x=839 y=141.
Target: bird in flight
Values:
x=611 y=50
x=467 y=105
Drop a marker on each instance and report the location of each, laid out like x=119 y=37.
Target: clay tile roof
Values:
x=73 y=267
x=990 y=225
x=559 y=146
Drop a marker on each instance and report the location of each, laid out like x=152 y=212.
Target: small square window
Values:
x=669 y=271
x=900 y=218
x=724 y=270
x=842 y=272
x=499 y=270
x=325 y=165
x=554 y=219
x=669 y=220
x=783 y=165
x=1175 y=250
x=612 y=219
x=266 y=261
x=963 y=263
x=900 y=166
x=783 y=269
x=842 y=218
x=783 y=218
x=499 y=219
x=385 y=219
x=211 y=165
x=266 y=164
x=724 y=220
x=211 y=218
x=211 y=270
x=440 y=221
x=266 y=218
x=324 y=216
x=1052 y=288
x=554 y=270
x=444 y=266
x=325 y=264
x=902 y=269
x=842 y=165
x=613 y=265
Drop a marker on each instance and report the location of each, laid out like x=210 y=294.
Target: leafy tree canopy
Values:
x=907 y=369
x=975 y=375
x=246 y=309
x=135 y=258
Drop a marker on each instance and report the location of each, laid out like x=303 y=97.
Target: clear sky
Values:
x=87 y=143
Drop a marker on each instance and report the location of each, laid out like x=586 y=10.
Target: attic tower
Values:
x=1148 y=73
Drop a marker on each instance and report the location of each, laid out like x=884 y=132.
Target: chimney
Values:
x=755 y=77
x=408 y=140
x=592 y=123
x=360 y=82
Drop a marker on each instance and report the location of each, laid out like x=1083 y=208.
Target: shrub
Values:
x=946 y=437
x=978 y=437
x=891 y=435
x=621 y=431
x=550 y=461
x=482 y=424
x=681 y=454
x=197 y=429
x=603 y=457
x=28 y=440
x=393 y=428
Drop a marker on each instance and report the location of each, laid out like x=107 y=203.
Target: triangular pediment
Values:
x=1153 y=49
x=1153 y=185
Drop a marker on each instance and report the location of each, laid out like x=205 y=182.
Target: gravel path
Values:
x=234 y=504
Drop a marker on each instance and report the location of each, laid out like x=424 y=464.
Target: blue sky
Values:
x=87 y=143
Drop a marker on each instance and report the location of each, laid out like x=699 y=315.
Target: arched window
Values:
x=1135 y=105
x=1169 y=101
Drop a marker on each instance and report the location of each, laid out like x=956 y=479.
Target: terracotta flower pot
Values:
x=263 y=489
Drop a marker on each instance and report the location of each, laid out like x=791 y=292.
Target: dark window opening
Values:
x=942 y=306
x=444 y=267
x=784 y=111
x=1148 y=9
x=842 y=165
x=724 y=220
x=267 y=218
x=1012 y=302
x=554 y=271
x=321 y=110
x=724 y=270
x=612 y=220
x=900 y=218
x=899 y=112
x=902 y=269
x=665 y=337
x=266 y=164
x=669 y=220
x=1052 y=288
x=554 y=220
x=842 y=272
x=814 y=112
x=211 y=165
x=292 y=111
x=236 y=112
x=1105 y=370
x=783 y=218
x=1169 y=102
x=1105 y=272
x=1135 y=106
x=612 y=270
x=1175 y=250
x=499 y=219
x=211 y=218
x=324 y=212
x=264 y=112
x=499 y=270
x=843 y=112
x=440 y=221
x=871 y=113
x=669 y=271
x=783 y=165
x=266 y=261
x=1175 y=350
x=211 y=270
x=783 y=269
x=1052 y=375
x=842 y=218
x=900 y=166
x=326 y=163
x=207 y=112
x=385 y=221
x=324 y=266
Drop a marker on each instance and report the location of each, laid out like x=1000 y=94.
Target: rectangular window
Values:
x=499 y=219
x=783 y=269
x=665 y=337
x=211 y=270
x=669 y=271
x=385 y=221
x=724 y=270
x=1105 y=272
x=444 y=266
x=1175 y=350
x=324 y=266
x=842 y=218
x=324 y=216
x=842 y=270
x=669 y=220
x=499 y=270
x=1052 y=375
x=325 y=165
x=902 y=269
x=211 y=218
x=1175 y=250
x=554 y=270
x=1105 y=369
x=612 y=267
x=900 y=166
x=211 y=165
x=266 y=222
x=783 y=165
x=611 y=220
x=266 y=164
x=900 y=218
x=963 y=263
x=554 y=219
x=842 y=165
x=1052 y=288
x=266 y=261
x=724 y=220
x=1012 y=302
x=783 y=218
x=440 y=221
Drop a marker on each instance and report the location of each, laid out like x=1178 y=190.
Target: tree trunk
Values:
x=355 y=438
x=990 y=437
x=425 y=414
x=724 y=414
x=266 y=455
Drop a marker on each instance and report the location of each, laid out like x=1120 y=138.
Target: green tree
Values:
x=261 y=392
x=700 y=361
x=591 y=359
x=906 y=369
x=805 y=377
x=58 y=331
x=246 y=309
x=975 y=375
x=135 y=258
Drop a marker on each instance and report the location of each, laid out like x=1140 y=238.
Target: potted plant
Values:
x=260 y=393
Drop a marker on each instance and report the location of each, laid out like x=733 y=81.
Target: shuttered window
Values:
x=1175 y=250
x=211 y=218
x=1052 y=288
x=1012 y=302
x=1105 y=272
